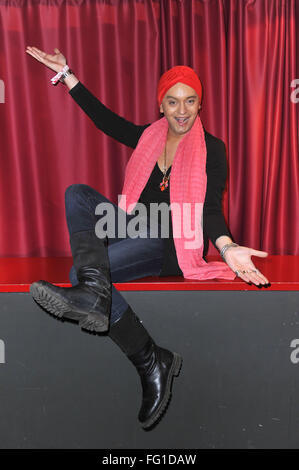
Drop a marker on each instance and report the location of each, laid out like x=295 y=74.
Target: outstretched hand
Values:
x=238 y=259
x=55 y=62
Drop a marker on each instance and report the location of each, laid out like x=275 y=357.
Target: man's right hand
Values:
x=55 y=62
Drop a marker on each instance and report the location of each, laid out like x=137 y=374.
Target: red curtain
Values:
x=246 y=54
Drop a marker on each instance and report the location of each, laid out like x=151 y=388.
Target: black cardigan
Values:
x=128 y=133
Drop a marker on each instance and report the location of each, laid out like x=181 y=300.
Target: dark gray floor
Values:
x=238 y=388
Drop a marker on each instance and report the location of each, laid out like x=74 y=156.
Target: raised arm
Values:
x=106 y=120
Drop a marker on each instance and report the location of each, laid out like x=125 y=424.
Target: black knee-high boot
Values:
x=156 y=366
x=89 y=302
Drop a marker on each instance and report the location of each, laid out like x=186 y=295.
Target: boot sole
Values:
x=174 y=371
x=57 y=307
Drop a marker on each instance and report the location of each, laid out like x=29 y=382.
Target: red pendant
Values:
x=164 y=184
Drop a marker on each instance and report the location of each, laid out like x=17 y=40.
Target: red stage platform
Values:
x=16 y=275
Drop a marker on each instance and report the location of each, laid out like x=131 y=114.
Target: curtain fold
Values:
x=246 y=54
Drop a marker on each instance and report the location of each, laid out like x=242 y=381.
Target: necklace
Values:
x=164 y=182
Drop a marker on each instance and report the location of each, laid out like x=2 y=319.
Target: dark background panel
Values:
x=238 y=388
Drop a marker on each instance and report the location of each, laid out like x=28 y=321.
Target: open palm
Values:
x=55 y=62
x=239 y=260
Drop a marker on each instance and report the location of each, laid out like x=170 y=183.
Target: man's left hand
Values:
x=238 y=259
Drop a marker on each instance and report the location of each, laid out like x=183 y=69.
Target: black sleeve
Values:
x=216 y=167
x=106 y=120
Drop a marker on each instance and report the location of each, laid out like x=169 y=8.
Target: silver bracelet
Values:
x=66 y=74
x=60 y=76
x=226 y=247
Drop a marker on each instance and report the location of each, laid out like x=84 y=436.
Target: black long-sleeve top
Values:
x=128 y=133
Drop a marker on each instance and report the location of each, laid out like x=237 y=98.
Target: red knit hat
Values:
x=182 y=74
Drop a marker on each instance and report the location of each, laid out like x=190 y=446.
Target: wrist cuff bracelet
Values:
x=226 y=247
x=66 y=74
x=60 y=76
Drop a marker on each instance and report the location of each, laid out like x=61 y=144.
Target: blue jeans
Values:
x=130 y=258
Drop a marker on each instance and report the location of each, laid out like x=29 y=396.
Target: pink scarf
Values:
x=188 y=185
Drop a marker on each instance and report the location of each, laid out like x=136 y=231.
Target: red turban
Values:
x=182 y=74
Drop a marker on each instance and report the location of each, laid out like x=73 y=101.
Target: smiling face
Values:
x=180 y=106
